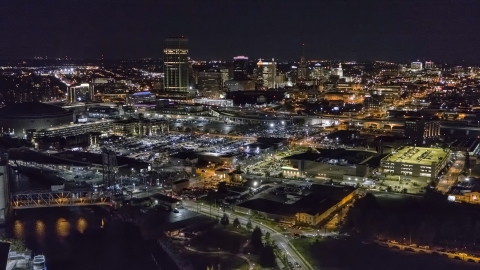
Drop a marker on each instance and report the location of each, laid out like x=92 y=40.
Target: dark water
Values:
x=84 y=237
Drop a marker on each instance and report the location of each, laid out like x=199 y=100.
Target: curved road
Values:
x=250 y=265
x=280 y=239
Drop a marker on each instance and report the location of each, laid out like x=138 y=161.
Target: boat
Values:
x=39 y=263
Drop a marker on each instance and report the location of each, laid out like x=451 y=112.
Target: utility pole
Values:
x=410 y=231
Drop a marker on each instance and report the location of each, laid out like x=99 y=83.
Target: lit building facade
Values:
x=415 y=161
x=416 y=66
x=419 y=130
x=176 y=66
x=429 y=65
x=235 y=85
x=302 y=70
x=267 y=73
x=80 y=93
x=209 y=81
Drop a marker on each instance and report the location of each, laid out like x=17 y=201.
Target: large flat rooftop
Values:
x=417 y=155
x=315 y=200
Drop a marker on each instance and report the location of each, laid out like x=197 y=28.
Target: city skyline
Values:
x=345 y=30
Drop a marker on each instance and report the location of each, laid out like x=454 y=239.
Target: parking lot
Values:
x=158 y=148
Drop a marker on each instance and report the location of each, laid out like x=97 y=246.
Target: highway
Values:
x=280 y=239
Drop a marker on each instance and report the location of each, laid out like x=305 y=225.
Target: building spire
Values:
x=302 y=59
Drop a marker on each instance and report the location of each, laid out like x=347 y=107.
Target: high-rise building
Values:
x=225 y=75
x=302 y=67
x=209 y=81
x=338 y=71
x=420 y=130
x=302 y=70
x=176 y=66
x=429 y=65
x=80 y=93
x=267 y=73
x=416 y=66
x=240 y=68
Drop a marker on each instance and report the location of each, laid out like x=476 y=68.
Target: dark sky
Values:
x=331 y=29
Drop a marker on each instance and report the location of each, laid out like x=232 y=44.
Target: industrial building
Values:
x=164 y=201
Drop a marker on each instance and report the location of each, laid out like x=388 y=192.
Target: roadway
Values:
x=452 y=176
x=280 y=238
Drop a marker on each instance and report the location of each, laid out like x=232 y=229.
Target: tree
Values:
x=257 y=239
x=267 y=236
x=224 y=220
x=15 y=245
x=236 y=223
x=267 y=257
x=249 y=225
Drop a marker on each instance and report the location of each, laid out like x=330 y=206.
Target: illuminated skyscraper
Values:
x=176 y=66
x=266 y=73
x=240 y=68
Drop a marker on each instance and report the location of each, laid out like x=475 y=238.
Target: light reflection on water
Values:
x=82 y=224
x=62 y=227
x=18 y=229
x=40 y=229
x=74 y=236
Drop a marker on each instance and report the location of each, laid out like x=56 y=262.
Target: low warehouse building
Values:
x=179 y=185
x=164 y=201
x=310 y=207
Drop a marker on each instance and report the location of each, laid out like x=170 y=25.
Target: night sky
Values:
x=439 y=30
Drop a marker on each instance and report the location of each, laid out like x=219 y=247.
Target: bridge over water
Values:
x=47 y=198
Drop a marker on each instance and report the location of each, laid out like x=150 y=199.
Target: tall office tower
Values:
x=240 y=68
x=302 y=67
x=416 y=66
x=420 y=130
x=176 y=66
x=267 y=73
x=428 y=65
